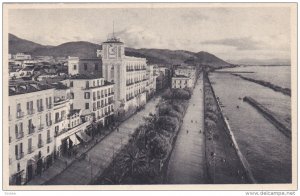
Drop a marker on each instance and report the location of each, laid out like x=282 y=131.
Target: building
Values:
x=129 y=75
x=93 y=96
x=84 y=66
x=181 y=81
x=164 y=77
x=31 y=146
x=22 y=56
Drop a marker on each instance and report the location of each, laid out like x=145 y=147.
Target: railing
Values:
x=20 y=156
x=40 y=144
x=49 y=106
x=31 y=129
x=129 y=84
x=129 y=70
x=40 y=109
x=20 y=114
x=41 y=126
x=30 y=150
x=20 y=135
x=49 y=123
x=30 y=111
x=49 y=140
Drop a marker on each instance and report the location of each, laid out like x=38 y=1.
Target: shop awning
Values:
x=79 y=138
x=84 y=136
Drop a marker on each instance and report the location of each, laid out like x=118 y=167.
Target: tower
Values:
x=112 y=55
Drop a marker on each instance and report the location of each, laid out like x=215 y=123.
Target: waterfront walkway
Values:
x=98 y=157
x=187 y=164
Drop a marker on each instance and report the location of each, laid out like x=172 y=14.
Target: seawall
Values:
x=224 y=127
x=270 y=116
x=285 y=91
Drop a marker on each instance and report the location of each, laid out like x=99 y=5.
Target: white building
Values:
x=22 y=56
x=31 y=133
x=129 y=74
x=181 y=81
x=93 y=96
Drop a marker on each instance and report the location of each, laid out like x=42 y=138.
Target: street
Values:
x=100 y=156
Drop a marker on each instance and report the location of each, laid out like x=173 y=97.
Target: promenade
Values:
x=187 y=163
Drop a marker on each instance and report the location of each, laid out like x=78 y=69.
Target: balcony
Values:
x=20 y=114
x=41 y=126
x=49 y=140
x=40 y=144
x=49 y=106
x=30 y=150
x=19 y=156
x=31 y=129
x=49 y=123
x=30 y=111
x=40 y=109
x=129 y=70
x=20 y=135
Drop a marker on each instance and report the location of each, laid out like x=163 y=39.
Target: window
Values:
x=87 y=84
x=96 y=66
x=71 y=84
x=87 y=106
x=74 y=67
x=85 y=66
x=87 y=95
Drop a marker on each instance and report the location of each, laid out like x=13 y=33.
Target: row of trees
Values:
x=141 y=161
x=185 y=93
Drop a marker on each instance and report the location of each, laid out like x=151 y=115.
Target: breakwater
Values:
x=270 y=116
x=285 y=91
x=225 y=162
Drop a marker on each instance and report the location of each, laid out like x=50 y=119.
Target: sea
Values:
x=267 y=150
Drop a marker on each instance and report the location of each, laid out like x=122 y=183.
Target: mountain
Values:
x=87 y=50
x=21 y=45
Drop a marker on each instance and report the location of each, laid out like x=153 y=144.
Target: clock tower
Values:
x=112 y=55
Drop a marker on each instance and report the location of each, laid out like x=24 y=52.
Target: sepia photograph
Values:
x=163 y=96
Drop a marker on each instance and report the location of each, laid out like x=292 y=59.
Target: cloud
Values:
x=138 y=37
x=244 y=43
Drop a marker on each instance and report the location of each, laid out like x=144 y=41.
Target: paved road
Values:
x=187 y=163
x=100 y=156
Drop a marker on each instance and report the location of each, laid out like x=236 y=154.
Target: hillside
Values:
x=86 y=50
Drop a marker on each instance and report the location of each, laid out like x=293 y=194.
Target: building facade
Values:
x=84 y=66
x=31 y=132
x=129 y=74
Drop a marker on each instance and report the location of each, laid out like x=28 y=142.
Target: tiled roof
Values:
x=17 y=87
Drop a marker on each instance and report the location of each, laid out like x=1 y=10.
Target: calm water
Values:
x=278 y=75
x=266 y=149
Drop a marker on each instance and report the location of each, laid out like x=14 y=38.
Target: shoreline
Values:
x=226 y=143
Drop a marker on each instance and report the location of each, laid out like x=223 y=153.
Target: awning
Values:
x=84 y=136
x=79 y=138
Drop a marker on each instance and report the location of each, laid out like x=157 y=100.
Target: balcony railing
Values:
x=30 y=111
x=49 y=106
x=41 y=126
x=31 y=129
x=20 y=156
x=30 y=150
x=49 y=140
x=20 y=114
x=19 y=135
x=40 y=109
x=40 y=144
x=49 y=123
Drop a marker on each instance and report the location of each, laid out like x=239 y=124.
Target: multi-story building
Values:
x=151 y=83
x=31 y=133
x=93 y=96
x=181 y=81
x=129 y=75
x=84 y=66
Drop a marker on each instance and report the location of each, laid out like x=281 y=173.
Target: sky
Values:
x=233 y=34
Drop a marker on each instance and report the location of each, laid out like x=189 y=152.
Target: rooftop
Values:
x=17 y=87
x=59 y=85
